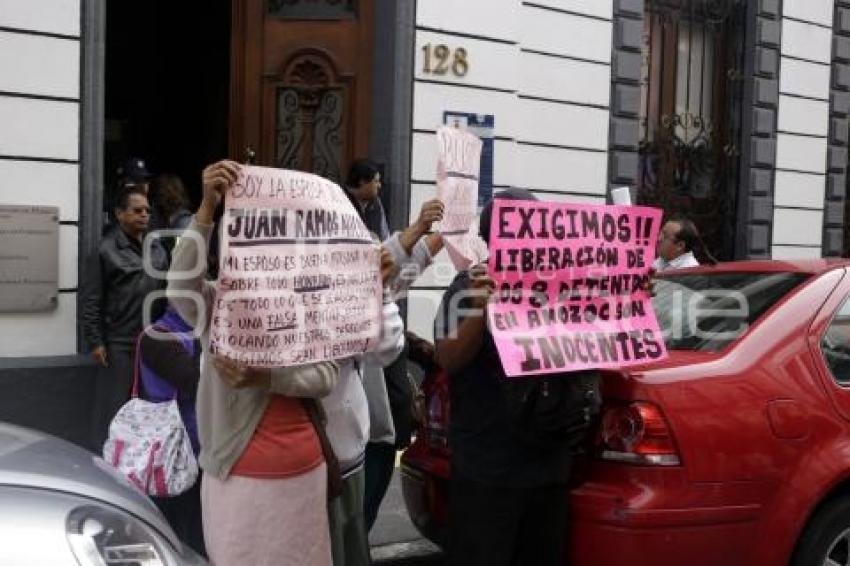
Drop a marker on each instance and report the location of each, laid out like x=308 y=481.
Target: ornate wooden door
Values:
x=301 y=83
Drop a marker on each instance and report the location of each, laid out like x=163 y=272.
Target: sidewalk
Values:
x=394 y=539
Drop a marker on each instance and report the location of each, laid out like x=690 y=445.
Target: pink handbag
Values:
x=149 y=445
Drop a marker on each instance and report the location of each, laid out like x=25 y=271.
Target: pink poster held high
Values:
x=458 y=167
x=299 y=279
x=572 y=286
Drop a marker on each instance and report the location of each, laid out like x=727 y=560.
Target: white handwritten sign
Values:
x=299 y=280
x=458 y=167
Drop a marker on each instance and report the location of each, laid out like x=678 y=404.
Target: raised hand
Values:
x=388 y=266
x=217 y=180
x=432 y=211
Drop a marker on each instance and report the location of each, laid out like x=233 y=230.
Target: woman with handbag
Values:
x=170 y=368
x=264 y=489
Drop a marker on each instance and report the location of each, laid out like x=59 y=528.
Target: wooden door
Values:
x=301 y=83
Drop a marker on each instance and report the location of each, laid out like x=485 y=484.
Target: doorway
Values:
x=302 y=83
x=293 y=83
x=167 y=88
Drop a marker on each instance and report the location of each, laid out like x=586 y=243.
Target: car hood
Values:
x=33 y=459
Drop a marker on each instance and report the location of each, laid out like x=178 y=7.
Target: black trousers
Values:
x=112 y=389
x=506 y=526
x=380 y=463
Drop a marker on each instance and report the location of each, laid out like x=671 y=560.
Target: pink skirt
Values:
x=267 y=522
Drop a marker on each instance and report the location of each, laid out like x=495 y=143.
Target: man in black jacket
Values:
x=114 y=301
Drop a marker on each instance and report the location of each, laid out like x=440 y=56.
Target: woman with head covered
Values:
x=264 y=488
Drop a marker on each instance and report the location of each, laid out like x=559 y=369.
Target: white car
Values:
x=61 y=505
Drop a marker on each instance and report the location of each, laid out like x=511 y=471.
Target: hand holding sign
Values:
x=432 y=211
x=217 y=179
x=239 y=375
x=388 y=266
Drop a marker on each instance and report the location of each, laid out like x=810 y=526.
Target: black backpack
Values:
x=547 y=412
x=553 y=411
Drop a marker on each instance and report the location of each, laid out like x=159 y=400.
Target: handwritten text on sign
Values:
x=572 y=286
x=458 y=167
x=299 y=280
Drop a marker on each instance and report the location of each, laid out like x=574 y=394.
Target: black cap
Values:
x=134 y=170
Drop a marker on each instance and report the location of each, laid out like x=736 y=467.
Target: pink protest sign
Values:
x=572 y=286
x=458 y=167
x=299 y=279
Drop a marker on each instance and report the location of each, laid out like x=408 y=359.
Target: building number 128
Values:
x=440 y=59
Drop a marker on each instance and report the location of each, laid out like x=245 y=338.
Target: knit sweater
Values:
x=228 y=417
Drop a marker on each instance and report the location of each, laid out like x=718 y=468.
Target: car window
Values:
x=835 y=345
x=707 y=312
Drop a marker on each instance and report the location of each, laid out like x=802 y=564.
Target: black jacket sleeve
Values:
x=170 y=361
x=93 y=302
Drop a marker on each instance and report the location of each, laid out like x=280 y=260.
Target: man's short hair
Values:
x=687 y=234
x=361 y=171
x=122 y=200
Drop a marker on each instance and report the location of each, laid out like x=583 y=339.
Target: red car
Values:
x=735 y=450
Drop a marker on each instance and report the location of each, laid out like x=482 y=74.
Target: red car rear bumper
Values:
x=663 y=522
x=608 y=529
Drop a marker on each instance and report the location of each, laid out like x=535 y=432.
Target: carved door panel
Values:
x=301 y=83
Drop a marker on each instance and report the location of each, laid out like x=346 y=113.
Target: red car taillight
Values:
x=638 y=433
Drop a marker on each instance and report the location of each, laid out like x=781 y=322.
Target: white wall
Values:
x=39 y=151
x=544 y=72
x=803 y=128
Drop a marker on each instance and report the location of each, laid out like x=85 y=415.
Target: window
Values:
x=691 y=112
x=835 y=345
x=707 y=312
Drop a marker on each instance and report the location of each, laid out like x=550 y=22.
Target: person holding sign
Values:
x=264 y=490
x=390 y=394
x=512 y=437
x=347 y=412
x=387 y=387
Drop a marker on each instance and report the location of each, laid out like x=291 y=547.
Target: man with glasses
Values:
x=132 y=175
x=117 y=284
x=677 y=241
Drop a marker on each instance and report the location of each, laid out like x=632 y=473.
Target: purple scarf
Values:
x=159 y=389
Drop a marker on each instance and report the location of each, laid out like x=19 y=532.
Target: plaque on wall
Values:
x=29 y=258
